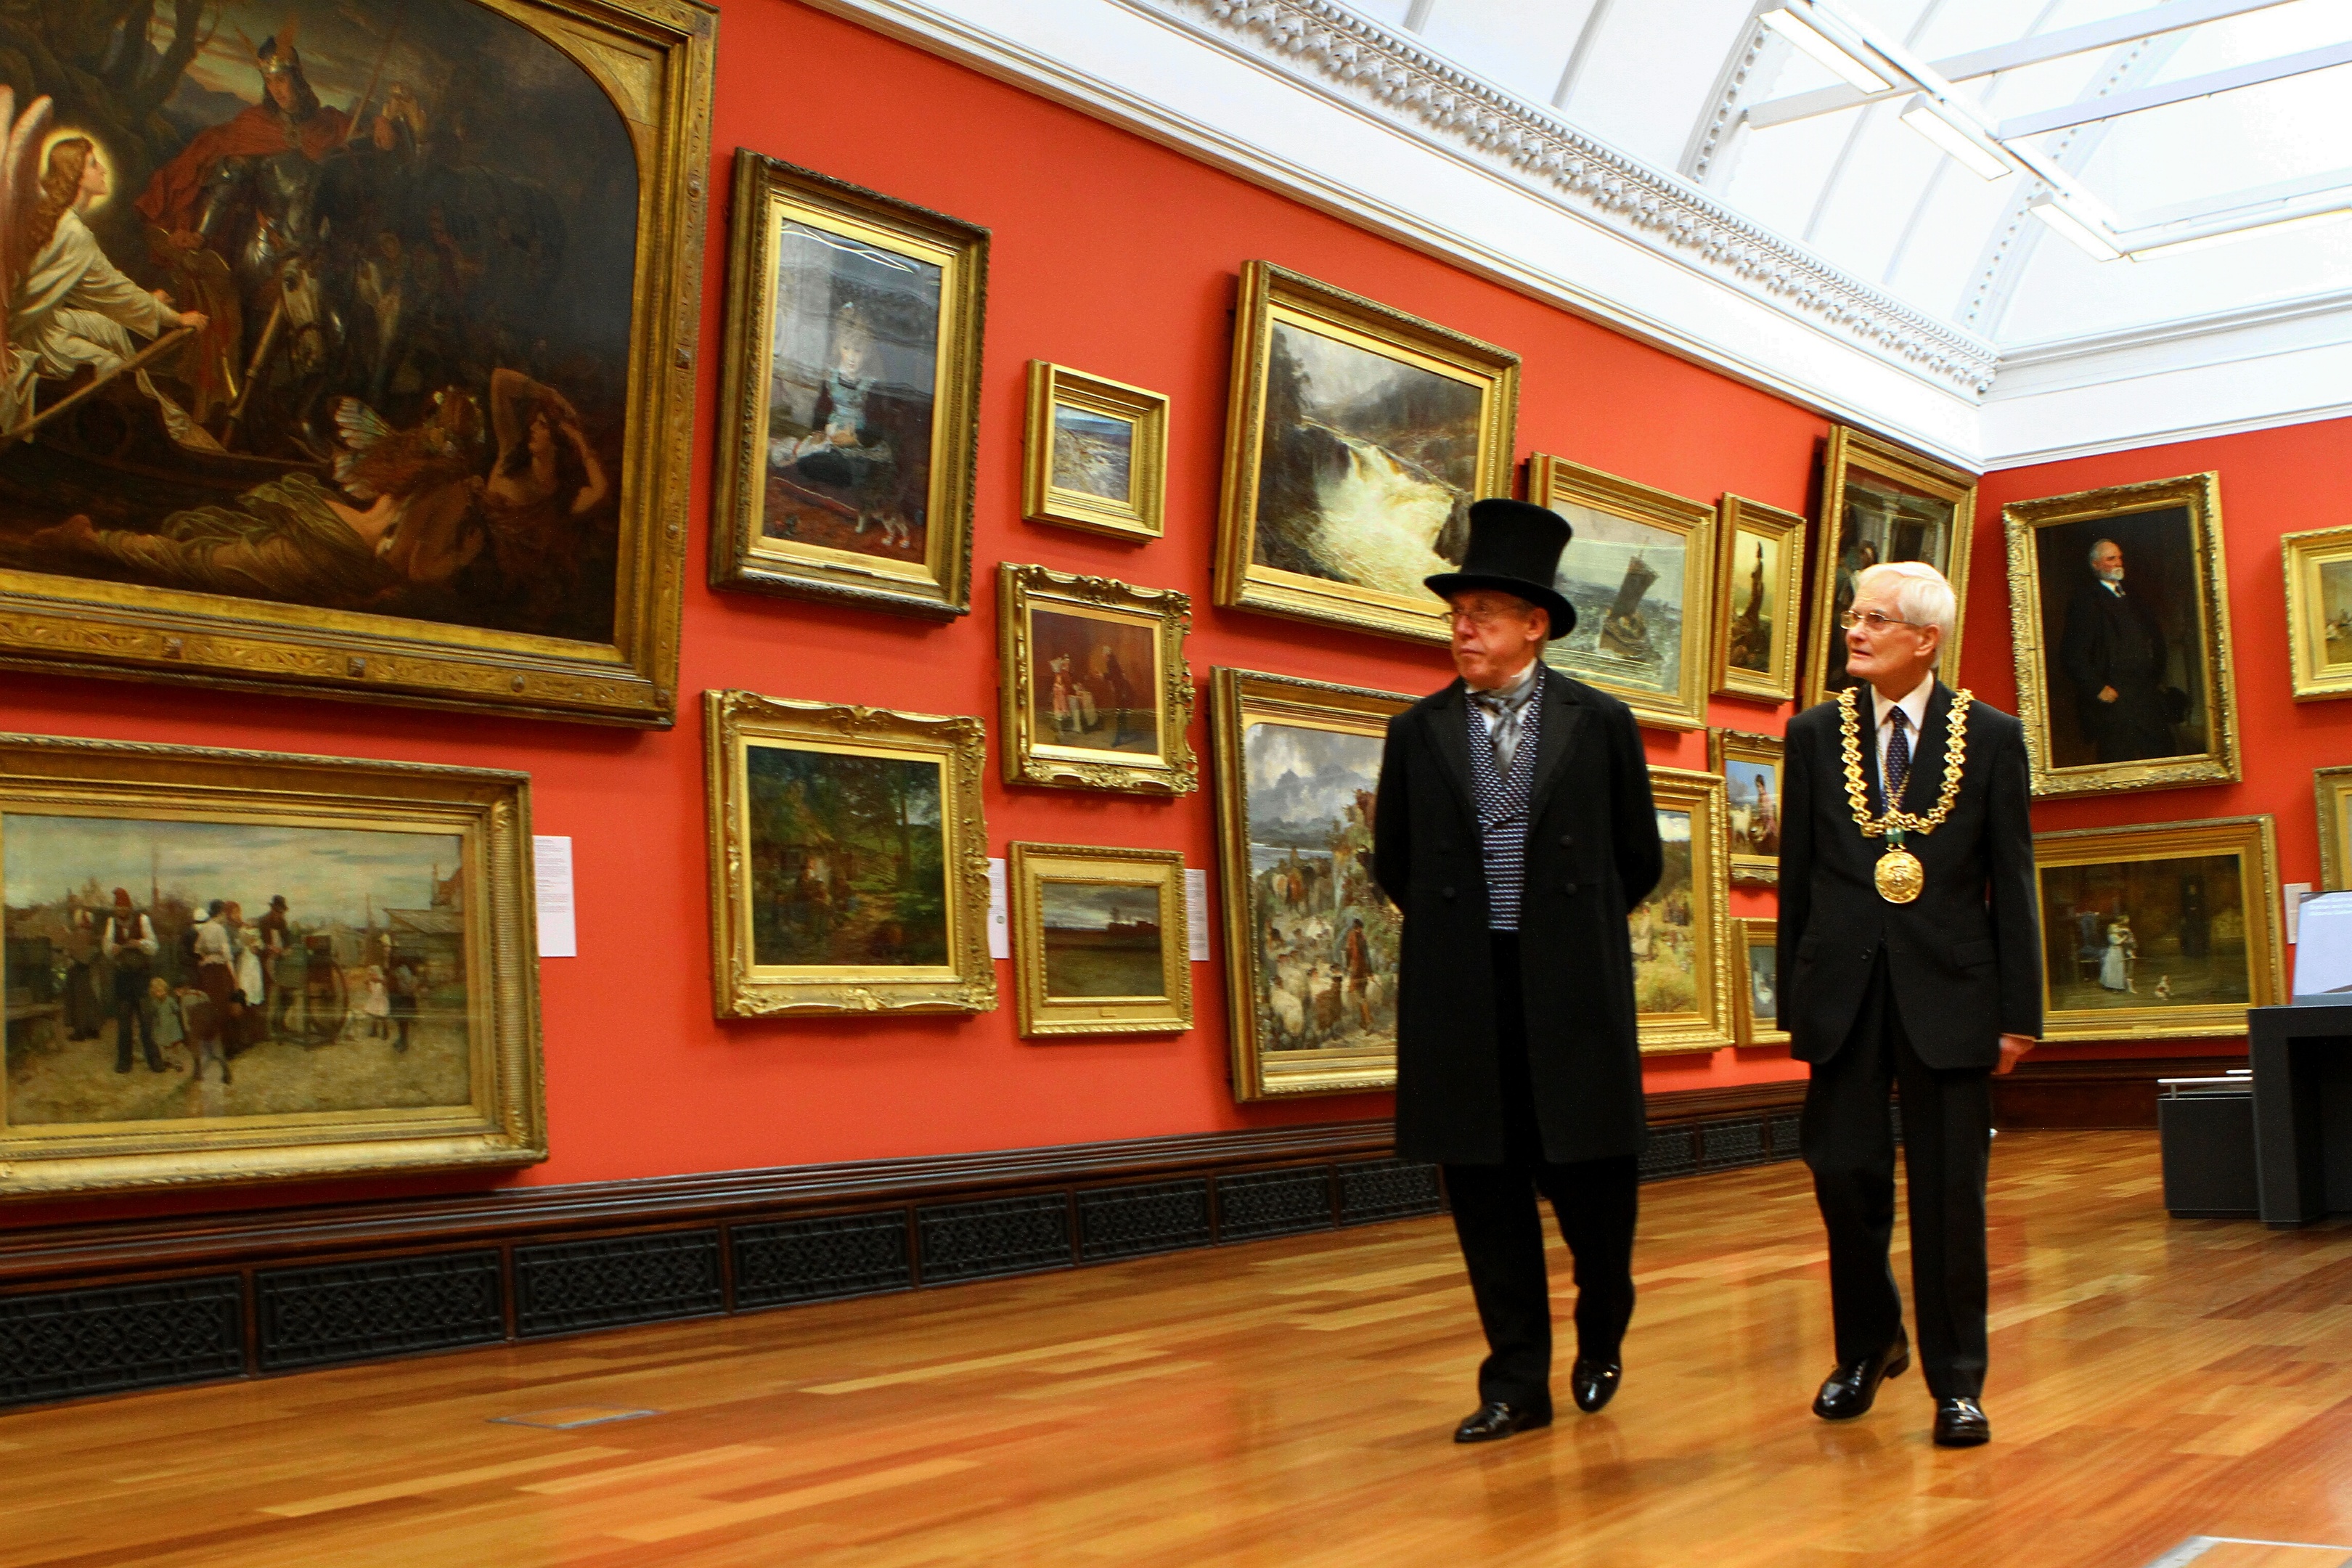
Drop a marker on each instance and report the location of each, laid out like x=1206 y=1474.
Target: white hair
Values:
x=1919 y=592
x=2102 y=544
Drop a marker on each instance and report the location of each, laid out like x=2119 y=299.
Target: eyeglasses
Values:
x=1483 y=618
x=1874 y=621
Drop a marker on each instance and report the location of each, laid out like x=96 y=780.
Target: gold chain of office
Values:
x=1898 y=873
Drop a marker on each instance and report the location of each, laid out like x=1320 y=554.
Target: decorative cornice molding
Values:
x=1323 y=46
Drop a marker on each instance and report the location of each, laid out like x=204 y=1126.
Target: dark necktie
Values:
x=1898 y=758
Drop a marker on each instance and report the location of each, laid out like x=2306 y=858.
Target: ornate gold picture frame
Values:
x=2130 y=688
x=2158 y=930
x=1099 y=940
x=352 y=506
x=1881 y=502
x=1356 y=438
x=1311 y=943
x=1763 y=577
x=851 y=395
x=1641 y=571
x=237 y=966
x=1096 y=453
x=1755 y=982
x=848 y=859
x=2318 y=565
x=1095 y=691
x=1750 y=766
x=1683 y=991
x=2331 y=791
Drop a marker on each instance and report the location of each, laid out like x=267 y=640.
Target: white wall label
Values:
x=1000 y=915
x=2295 y=893
x=559 y=934
x=1196 y=912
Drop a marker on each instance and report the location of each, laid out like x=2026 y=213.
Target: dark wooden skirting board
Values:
x=2111 y=1093
x=105 y=1309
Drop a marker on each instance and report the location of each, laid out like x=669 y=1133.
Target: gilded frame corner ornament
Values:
x=1748 y=931
x=1032 y=758
x=2254 y=841
x=655 y=59
x=741 y=987
x=1241 y=697
x=2304 y=557
x=767 y=193
x=2331 y=791
x=1556 y=482
x=1269 y=294
x=503 y=1124
x=1045 y=1016
x=1143 y=516
x=1850 y=452
x=2199 y=495
x=1743 y=746
x=1777 y=682
x=1710 y=1023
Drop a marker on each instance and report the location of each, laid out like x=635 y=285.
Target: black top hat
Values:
x=1513 y=549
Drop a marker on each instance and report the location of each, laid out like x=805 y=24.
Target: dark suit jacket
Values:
x=1592 y=853
x=1965 y=955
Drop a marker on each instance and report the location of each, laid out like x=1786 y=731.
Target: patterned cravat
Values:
x=1504 y=710
x=1898 y=757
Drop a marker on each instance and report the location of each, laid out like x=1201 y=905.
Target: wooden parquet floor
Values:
x=1289 y=1403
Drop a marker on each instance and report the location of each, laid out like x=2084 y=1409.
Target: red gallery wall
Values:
x=1117 y=257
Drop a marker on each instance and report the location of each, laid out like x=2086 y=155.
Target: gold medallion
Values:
x=1899 y=876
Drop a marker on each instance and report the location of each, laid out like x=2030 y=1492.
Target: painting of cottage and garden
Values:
x=848 y=858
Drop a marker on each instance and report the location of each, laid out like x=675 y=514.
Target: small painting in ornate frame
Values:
x=1880 y=502
x=1641 y=571
x=851 y=388
x=1356 y=438
x=2098 y=716
x=2164 y=929
x=1763 y=579
x=1311 y=943
x=848 y=859
x=1096 y=454
x=327 y=968
x=1755 y=982
x=1750 y=766
x=2318 y=566
x=1095 y=691
x=2332 y=794
x=1683 y=980
x=1099 y=940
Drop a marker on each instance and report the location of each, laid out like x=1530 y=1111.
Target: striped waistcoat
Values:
x=1503 y=809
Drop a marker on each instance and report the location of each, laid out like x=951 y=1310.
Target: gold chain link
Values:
x=1956 y=755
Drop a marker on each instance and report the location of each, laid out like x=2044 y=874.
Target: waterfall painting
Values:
x=1358 y=438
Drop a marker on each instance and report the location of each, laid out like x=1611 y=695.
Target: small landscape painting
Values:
x=1102 y=939
x=1664 y=930
x=848 y=858
x=1093 y=453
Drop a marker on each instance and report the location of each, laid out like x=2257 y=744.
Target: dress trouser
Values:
x=1501 y=1230
x=1850 y=1148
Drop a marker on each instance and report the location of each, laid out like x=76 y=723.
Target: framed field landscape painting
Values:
x=1095 y=691
x=1096 y=454
x=360 y=364
x=1880 y=502
x=1683 y=976
x=848 y=859
x=1311 y=942
x=1356 y=439
x=1100 y=937
x=851 y=387
x=235 y=966
x=1640 y=571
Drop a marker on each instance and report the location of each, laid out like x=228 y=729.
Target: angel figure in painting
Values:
x=70 y=311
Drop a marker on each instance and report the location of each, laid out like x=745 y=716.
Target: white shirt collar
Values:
x=1517 y=687
x=1914 y=706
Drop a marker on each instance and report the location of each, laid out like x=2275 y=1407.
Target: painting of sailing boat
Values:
x=1358 y=440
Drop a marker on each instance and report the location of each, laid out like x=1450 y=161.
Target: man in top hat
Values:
x=1910 y=953
x=1513 y=827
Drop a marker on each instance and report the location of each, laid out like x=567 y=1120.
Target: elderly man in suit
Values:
x=1910 y=953
x=2114 y=652
x=1514 y=827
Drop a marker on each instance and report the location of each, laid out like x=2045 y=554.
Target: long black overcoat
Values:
x=1592 y=853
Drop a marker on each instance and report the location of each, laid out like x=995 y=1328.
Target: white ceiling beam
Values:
x=1416 y=16
x=2138 y=101
x=2157 y=19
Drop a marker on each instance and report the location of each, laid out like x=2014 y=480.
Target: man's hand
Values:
x=2012 y=1047
x=2108 y=694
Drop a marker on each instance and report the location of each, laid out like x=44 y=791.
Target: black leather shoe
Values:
x=1849 y=1391
x=1495 y=1419
x=1595 y=1383
x=1961 y=1424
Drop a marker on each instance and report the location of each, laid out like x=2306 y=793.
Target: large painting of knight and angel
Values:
x=234 y=966
x=852 y=385
x=342 y=344
x=1311 y=942
x=1356 y=440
